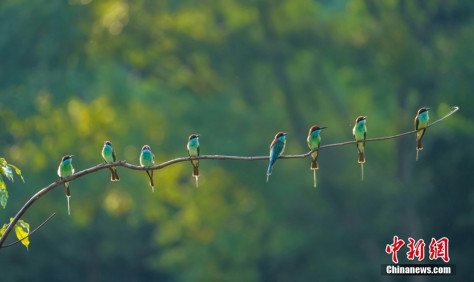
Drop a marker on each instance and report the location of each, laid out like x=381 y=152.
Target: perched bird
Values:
x=193 y=151
x=108 y=153
x=421 y=121
x=276 y=149
x=65 y=169
x=360 y=131
x=314 y=140
x=147 y=159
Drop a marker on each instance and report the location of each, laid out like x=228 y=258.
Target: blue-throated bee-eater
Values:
x=66 y=169
x=314 y=140
x=421 y=121
x=276 y=149
x=108 y=153
x=360 y=132
x=193 y=151
x=147 y=159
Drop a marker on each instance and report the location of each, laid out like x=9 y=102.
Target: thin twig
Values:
x=101 y=166
x=31 y=233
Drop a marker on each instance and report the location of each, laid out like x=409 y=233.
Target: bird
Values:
x=314 y=140
x=108 y=153
x=276 y=149
x=66 y=169
x=193 y=151
x=421 y=121
x=360 y=132
x=147 y=159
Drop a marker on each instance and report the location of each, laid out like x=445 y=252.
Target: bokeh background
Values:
x=75 y=73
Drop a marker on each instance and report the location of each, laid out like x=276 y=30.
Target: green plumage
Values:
x=193 y=151
x=421 y=122
x=360 y=133
x=66 y=169
x=314 y=141
x=276 y=149
x=108 y=153
x=147 y=159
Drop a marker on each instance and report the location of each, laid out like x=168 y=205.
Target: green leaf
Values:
x=7 y=171
x=3 y=229
x=22 y=229
x=3 y=195
x=18 y=172
x=2 y=184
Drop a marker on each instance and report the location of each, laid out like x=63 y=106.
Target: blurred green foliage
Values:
x=76 y=73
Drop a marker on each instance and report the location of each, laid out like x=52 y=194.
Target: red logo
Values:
x=438 y=249
x=393 y=248
x=416 y=249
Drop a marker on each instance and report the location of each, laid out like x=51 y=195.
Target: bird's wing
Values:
x=275 y=141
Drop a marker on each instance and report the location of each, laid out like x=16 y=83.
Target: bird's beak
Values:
x=428 y=109
x=198 y=135
x=284 y=133
x=365 y=117
x=323 y=127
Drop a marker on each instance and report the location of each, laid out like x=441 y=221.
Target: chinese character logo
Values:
x=393 y=248
x=439 y=249
x=416 y=249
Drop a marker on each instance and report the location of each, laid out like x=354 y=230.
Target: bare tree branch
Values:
x=55 y=184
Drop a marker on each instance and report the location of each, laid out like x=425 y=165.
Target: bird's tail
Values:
x=314 y=178
x=195 y=168
x=361 y=149
x=269 y=170
x=314 y=163
x=68 y=192
x=113 y=174
x=150 y=175
x=419 y=136
x=419 y=145
x=68 y=195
